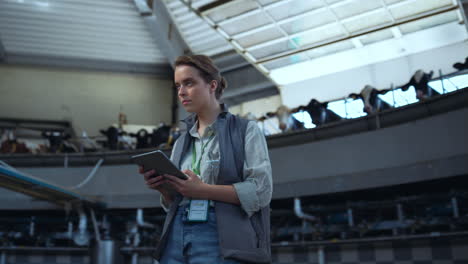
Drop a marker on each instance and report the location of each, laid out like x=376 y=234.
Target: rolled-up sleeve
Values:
x=256 y=190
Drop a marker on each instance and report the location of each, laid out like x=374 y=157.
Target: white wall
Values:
x=257 y=107
x=91 y=100
x=381 y=75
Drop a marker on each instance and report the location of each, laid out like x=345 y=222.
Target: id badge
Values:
x=198 y=211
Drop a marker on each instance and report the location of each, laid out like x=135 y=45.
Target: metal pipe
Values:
x=441 y=82
x=95 y=226
x=456 y=212
x=367 y=240
x=140 y=220
x=299 y=213
x=90 y=176
x=135 y=258
x=321 y=255
x=350 y=217
x=65 y=161
x=136 y=238
x=48 y=249
x=81 y=238
x=401 y=216
x=3 y=258
x=83 y=224
x=70 y=229
x=32 y=226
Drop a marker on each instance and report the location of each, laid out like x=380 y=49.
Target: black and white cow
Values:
x=142 y=137
x=319 y=113
x=370 y=97
x=286 y=120
x=58 y=141
x=112 y=133
x=160 y=135
x=461 y=66
x=420 y=81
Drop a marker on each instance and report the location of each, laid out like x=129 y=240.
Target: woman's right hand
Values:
x=156 y=183
x=152 y=181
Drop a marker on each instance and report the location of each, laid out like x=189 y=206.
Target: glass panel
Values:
x=274 y=48
x=429 y=22
x=450 y=84
x=266 y=2
x=371 y=20
x=356 y=7
x=354 y=108
x=329 y=49
x=293 y=8
x=286 y=61
x=417 y=6
x=397 y=97
x=376 y=37
x=231 y=10
x=259 y=37
x=318 y=35
x=247 y=23
x=334 y=1
x=304 y=117
x=389 y=2
x=308 y=21
x=338 y=107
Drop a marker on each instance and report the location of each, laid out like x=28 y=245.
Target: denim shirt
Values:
x=256 y=190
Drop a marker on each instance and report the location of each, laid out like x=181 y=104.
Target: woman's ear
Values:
x=213 y=86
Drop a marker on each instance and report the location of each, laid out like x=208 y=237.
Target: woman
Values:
x=220 y=214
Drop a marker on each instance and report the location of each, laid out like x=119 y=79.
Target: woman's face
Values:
x=193 y=91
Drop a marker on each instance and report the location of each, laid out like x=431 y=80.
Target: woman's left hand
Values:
x=193 y=187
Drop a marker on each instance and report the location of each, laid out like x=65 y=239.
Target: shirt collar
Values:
x=208 y=131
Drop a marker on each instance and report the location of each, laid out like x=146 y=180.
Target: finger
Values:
x=140 y=169
x=173 y=185
x=157 y=184
x=149 y=174
x=189 y=173
x=154 y=179
x=174 y=179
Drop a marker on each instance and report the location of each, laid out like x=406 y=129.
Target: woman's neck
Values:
x=208 y=116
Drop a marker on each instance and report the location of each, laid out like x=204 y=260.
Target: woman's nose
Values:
x=181 y=91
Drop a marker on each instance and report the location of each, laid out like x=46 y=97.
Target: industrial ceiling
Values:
x=277 y=37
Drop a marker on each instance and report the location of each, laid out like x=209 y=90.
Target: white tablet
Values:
x=158 y=161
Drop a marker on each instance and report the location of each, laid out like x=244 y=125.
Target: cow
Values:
x=142 y=138
x=319 y=113
x=174 y=134
x=10 y=144
x=461 y=66
x=370 y=97
x=420 y=81
x=286 y=120
x=58 y=141
x=160 y=135
x=112 y=133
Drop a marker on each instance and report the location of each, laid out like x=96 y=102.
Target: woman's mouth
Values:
x=184 y=102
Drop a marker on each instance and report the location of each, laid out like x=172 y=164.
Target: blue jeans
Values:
x=192 y=242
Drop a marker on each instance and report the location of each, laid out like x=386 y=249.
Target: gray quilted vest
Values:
x=240 y=237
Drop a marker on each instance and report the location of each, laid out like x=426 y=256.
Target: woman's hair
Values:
x=208 y=71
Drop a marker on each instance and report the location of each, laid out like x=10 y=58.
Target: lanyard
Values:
x=195 y=164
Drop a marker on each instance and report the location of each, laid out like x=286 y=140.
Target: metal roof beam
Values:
x=163 y=29
x=463 y=4
x=163 y=71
